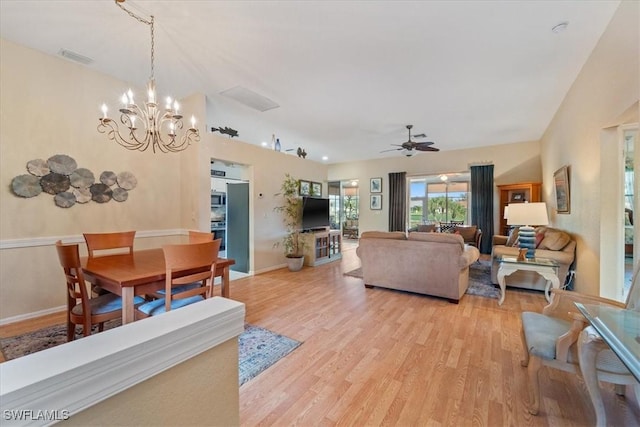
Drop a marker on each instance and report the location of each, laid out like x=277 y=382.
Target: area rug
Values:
x=258 y=348
x=479 y=279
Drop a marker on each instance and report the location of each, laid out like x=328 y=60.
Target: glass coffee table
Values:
x=547 y=268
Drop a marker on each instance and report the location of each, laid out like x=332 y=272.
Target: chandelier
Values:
x=147 y=125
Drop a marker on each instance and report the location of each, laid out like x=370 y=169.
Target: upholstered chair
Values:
x=550 y=338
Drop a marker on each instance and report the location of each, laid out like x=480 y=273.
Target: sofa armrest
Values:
x=499 y=239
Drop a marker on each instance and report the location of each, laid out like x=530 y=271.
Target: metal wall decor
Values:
x=61 y=177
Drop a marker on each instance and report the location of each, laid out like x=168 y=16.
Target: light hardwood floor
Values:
x=379 y=357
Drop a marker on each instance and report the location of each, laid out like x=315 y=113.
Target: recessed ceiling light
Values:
x=354 y=183
x=264 y=144
x=560 y=27
x=325 y=158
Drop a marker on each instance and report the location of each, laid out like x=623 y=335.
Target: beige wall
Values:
x=607 y=87
x=51 y=106
x=205 y=386
x=513 y=163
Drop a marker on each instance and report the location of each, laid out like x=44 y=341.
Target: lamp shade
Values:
x=528 y=214
x=506 y=212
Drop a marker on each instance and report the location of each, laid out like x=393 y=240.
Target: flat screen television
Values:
x=315 y=213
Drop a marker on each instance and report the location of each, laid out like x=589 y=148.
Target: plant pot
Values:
x=295 y=262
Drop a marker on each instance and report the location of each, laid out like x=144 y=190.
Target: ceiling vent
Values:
x=250 y=98
x=75 y=57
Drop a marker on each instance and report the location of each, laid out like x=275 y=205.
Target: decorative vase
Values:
x=295 y=263
x=278 y=147
x=527 y=239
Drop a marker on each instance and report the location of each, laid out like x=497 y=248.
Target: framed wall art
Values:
x=316 y=189
x=305 y=188
x=376 y=202
x=561 y=185
x=376 y=185
x=518 y=196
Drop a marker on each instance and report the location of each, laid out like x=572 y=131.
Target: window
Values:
x=434 y=199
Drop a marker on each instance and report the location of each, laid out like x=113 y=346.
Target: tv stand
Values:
x=321 y=247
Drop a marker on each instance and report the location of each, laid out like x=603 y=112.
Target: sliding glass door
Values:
x=438 y=199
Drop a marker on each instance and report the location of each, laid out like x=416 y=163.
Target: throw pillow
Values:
x=427 y=228
x=513 y=237
x=539 y=239
x=467 y=233
x=555 y=240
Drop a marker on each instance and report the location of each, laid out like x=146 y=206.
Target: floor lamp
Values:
x=526 y=215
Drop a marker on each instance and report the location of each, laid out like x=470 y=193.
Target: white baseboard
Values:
x=33 y=315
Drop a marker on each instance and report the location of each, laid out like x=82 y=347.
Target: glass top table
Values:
x=529 y=261
x=547 y=268
x=620 y=329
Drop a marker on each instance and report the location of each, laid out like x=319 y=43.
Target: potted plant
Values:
x=291 y=210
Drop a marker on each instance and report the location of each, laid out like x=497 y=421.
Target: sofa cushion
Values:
x=437 y=237
x=513 y=237
x=468 y=233
x=554 y=240
x=397 y=235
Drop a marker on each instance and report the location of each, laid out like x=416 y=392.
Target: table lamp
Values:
x=526 y=215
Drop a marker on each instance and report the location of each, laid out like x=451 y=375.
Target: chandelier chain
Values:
x=144 y=21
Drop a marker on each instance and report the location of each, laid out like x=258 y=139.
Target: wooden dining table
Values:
x=139 y=273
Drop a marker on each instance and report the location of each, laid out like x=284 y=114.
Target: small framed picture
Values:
x=376 y=185
x=305 y=188
x=316 y=189
x=517 y=197
x=376 y=202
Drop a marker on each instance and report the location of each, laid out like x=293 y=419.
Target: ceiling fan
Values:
x=410 y=145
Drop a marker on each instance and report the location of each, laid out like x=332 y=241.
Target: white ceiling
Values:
x=348 y=75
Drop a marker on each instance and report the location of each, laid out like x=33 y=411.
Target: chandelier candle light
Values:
x=152 y=120
x=525 y=215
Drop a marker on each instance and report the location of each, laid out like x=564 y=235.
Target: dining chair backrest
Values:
x=69 y=256
x=198 y=260
x=200 y=237
x=106 y=241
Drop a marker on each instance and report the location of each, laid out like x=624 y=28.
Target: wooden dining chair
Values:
x=109 y=241
x=190 y=270
x=200 y=237
x=82 y=310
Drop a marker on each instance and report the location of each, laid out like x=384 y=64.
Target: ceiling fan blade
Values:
x=420 y=135
x=423 y=144
x=426 y=148
x=392 y=149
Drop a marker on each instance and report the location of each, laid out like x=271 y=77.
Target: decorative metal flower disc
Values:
x=62 y=164
x=82 y=178
x=108 y=178
x=38 y=167
x=127 y=180
x=120 y=194
x=26 y=186
x=100 y=193
x=54 y=183
x=83 y=195
x=65 y=199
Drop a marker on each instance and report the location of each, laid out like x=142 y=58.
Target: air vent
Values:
x=250 y=98
x=75 y=57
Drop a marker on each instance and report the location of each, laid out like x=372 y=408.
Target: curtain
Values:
x=397 y=201
x=482 y=204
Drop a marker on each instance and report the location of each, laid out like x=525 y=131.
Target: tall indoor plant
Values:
x=291 y=210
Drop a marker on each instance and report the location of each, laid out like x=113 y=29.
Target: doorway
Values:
x=629 y=207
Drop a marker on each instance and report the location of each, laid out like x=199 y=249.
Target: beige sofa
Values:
x=435 y=264
x=553 y=244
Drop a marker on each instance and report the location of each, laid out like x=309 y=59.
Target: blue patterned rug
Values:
x=258 y=348
x=480 y=280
